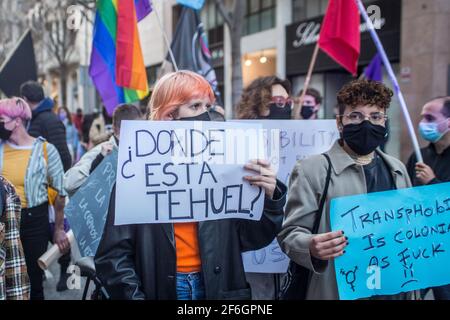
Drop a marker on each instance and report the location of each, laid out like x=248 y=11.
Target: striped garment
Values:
x=40 y=175
x=14 y=281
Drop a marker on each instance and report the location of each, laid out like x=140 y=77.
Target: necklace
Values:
x=362 y=160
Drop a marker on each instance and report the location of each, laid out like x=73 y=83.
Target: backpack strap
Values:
x=44 y=148
x=324 y=196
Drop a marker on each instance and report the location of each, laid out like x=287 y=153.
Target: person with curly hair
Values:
x=354 y=165
x=266 y=98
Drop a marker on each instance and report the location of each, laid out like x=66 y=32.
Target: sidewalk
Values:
x=50 y=286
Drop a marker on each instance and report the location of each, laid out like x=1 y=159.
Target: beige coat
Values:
x=306 y=185
x=80 y=172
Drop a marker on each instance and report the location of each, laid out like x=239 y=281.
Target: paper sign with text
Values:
x=266 y=260
x=88 y=207
x=399 y=241
x=298 y=139
x=187 y=171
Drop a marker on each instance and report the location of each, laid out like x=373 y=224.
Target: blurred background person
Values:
x=434 y=128
x=266 y=98
x=77 y=120
x=71 y=131
x=78 y=174
x=309 y=110
x=44 y=123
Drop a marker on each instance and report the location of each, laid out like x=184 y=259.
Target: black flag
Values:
x=19 y=67
x=190 y=47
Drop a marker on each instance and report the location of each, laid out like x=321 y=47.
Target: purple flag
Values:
x=143 y=8
x=374 y=70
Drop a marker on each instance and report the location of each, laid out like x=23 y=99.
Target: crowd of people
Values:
x=46 y=154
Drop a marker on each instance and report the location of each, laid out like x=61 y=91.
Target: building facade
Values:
x=278 y=39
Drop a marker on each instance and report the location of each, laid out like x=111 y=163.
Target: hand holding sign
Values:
x=328 y=245
x=107 y=148
x=266 y=178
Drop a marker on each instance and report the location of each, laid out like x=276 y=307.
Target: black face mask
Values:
x=5 y=134
x=365 y=137
x=201 y=117
x=307 y=112
x=276 y=112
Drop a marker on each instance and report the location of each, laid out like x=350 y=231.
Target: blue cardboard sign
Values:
x=399 y=241
x=88 y=207
x=194 y=4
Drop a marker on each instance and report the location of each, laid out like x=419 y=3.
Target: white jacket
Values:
x=77 y=175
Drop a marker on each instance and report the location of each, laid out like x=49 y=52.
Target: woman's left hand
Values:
x=266 y=179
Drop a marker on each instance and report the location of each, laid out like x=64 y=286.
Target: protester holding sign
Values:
x=352 y=166
x=186 y=260
x=434 y=128
x=32 y=165
x=266 y=98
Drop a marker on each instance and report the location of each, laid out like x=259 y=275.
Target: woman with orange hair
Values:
x=187 y=261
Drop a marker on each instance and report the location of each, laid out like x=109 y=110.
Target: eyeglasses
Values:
x=281 y=102
x=356 y=117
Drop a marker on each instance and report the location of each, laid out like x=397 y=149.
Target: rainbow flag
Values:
x=117 y=65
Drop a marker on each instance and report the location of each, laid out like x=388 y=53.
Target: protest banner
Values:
x=88 y=207
x=187 y=171
x=266 y=260
x=398 y=241
x=194 y=4
x=298 y=139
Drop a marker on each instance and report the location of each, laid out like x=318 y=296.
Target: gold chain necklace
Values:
x=362 y=160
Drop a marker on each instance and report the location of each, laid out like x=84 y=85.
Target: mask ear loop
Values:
x=27 y=124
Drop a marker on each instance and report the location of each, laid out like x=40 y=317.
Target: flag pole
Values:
x=296 y=111
x=166 y=39
x=394 y=81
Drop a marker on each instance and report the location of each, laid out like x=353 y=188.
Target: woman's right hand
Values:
x=107 y=149
x=326 y=246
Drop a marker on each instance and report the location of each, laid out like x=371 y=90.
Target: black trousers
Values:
x=34 y=228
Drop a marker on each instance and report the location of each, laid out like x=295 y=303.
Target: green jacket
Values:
x=306 y=185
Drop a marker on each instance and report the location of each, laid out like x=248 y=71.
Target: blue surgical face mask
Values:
x=430 y=131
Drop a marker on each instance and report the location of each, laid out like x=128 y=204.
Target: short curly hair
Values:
x=364 y=92
x=256 y=97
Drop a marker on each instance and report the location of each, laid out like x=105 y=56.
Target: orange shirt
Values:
x=188 y=251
